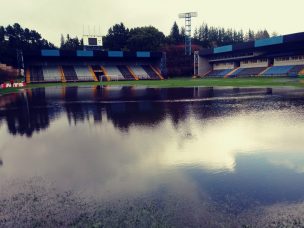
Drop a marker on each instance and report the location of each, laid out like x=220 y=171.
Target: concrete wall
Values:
x=254 y=63
x=223 y=66
x=203 y=66
x=285 y=61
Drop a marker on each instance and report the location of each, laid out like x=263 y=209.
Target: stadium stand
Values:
x=278 y=71
x=83 y=73
x=234 y=73
x=69 y=73
x=218 y=73
x=301 y=72
x=140 y=72
x=295 y=71
x=247 y=72
x=151 y=72
x=66 y=66
x=94 y=73
x=36 y=74
x=52 y=74
x=114 y=73
x=125 y=72
x=96 y=68
x=276 y=56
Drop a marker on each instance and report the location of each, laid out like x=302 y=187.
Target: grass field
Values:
x=182 y=82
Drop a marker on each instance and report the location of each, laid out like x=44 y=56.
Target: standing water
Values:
x=144 y=157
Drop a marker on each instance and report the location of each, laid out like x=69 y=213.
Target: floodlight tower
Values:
x=188 y=17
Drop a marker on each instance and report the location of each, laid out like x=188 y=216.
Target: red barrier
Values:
x=14 y=85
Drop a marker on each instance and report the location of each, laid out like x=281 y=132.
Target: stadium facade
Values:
x=93 y=65
x=276 y=56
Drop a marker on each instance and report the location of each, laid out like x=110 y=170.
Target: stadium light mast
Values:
x=188 y=17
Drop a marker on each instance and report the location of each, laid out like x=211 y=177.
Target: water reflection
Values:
x=33 y=110
x=241 y=148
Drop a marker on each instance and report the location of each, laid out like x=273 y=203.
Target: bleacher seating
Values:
x=125 y=72
x=114 y=73
x=36 y=74
x=150 y=72
x=51 y=74
x=69 y=73
x=278 y=71
x=218 y=73
x=83 y=73
x=247 y=72
x=235 y=73
x=140 y=72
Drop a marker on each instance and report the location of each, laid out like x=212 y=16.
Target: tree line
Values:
x=149 y=38
x=119 y=37
x=14 y=37
x=209 y=37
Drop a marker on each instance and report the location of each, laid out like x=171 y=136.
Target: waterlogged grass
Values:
x=182 y=82
x=9 y=90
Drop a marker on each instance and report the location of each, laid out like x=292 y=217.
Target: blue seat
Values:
x=278 y=71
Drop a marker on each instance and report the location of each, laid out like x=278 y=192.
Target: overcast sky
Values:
x=54 y=17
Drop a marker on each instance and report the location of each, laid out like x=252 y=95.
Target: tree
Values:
x=117 y=37
x=250 y=36
x=183 y=33
x=145 y=39
x=175 y=36
x=261 y=34
x=62 y=41
x=71 y=43
x=19 y=38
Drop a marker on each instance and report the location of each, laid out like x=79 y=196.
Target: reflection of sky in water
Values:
x=213 y=147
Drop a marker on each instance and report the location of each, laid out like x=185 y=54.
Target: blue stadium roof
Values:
x=284 y=41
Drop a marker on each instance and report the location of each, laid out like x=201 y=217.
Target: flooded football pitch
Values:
x=150 y=157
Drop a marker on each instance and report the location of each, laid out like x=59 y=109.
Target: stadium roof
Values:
x=57 y=53
x=295 y=41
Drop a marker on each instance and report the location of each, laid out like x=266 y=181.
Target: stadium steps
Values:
x=150 y=72
x=125 y=72
x=206 y=74
x=93 y=74
x=231 y=72
x=63 y=79
x=157 y=71
x=105 y=73
x=28 y=76
x=132 y=73
x=262 y=73
x=69 y=73
x=114 y=73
